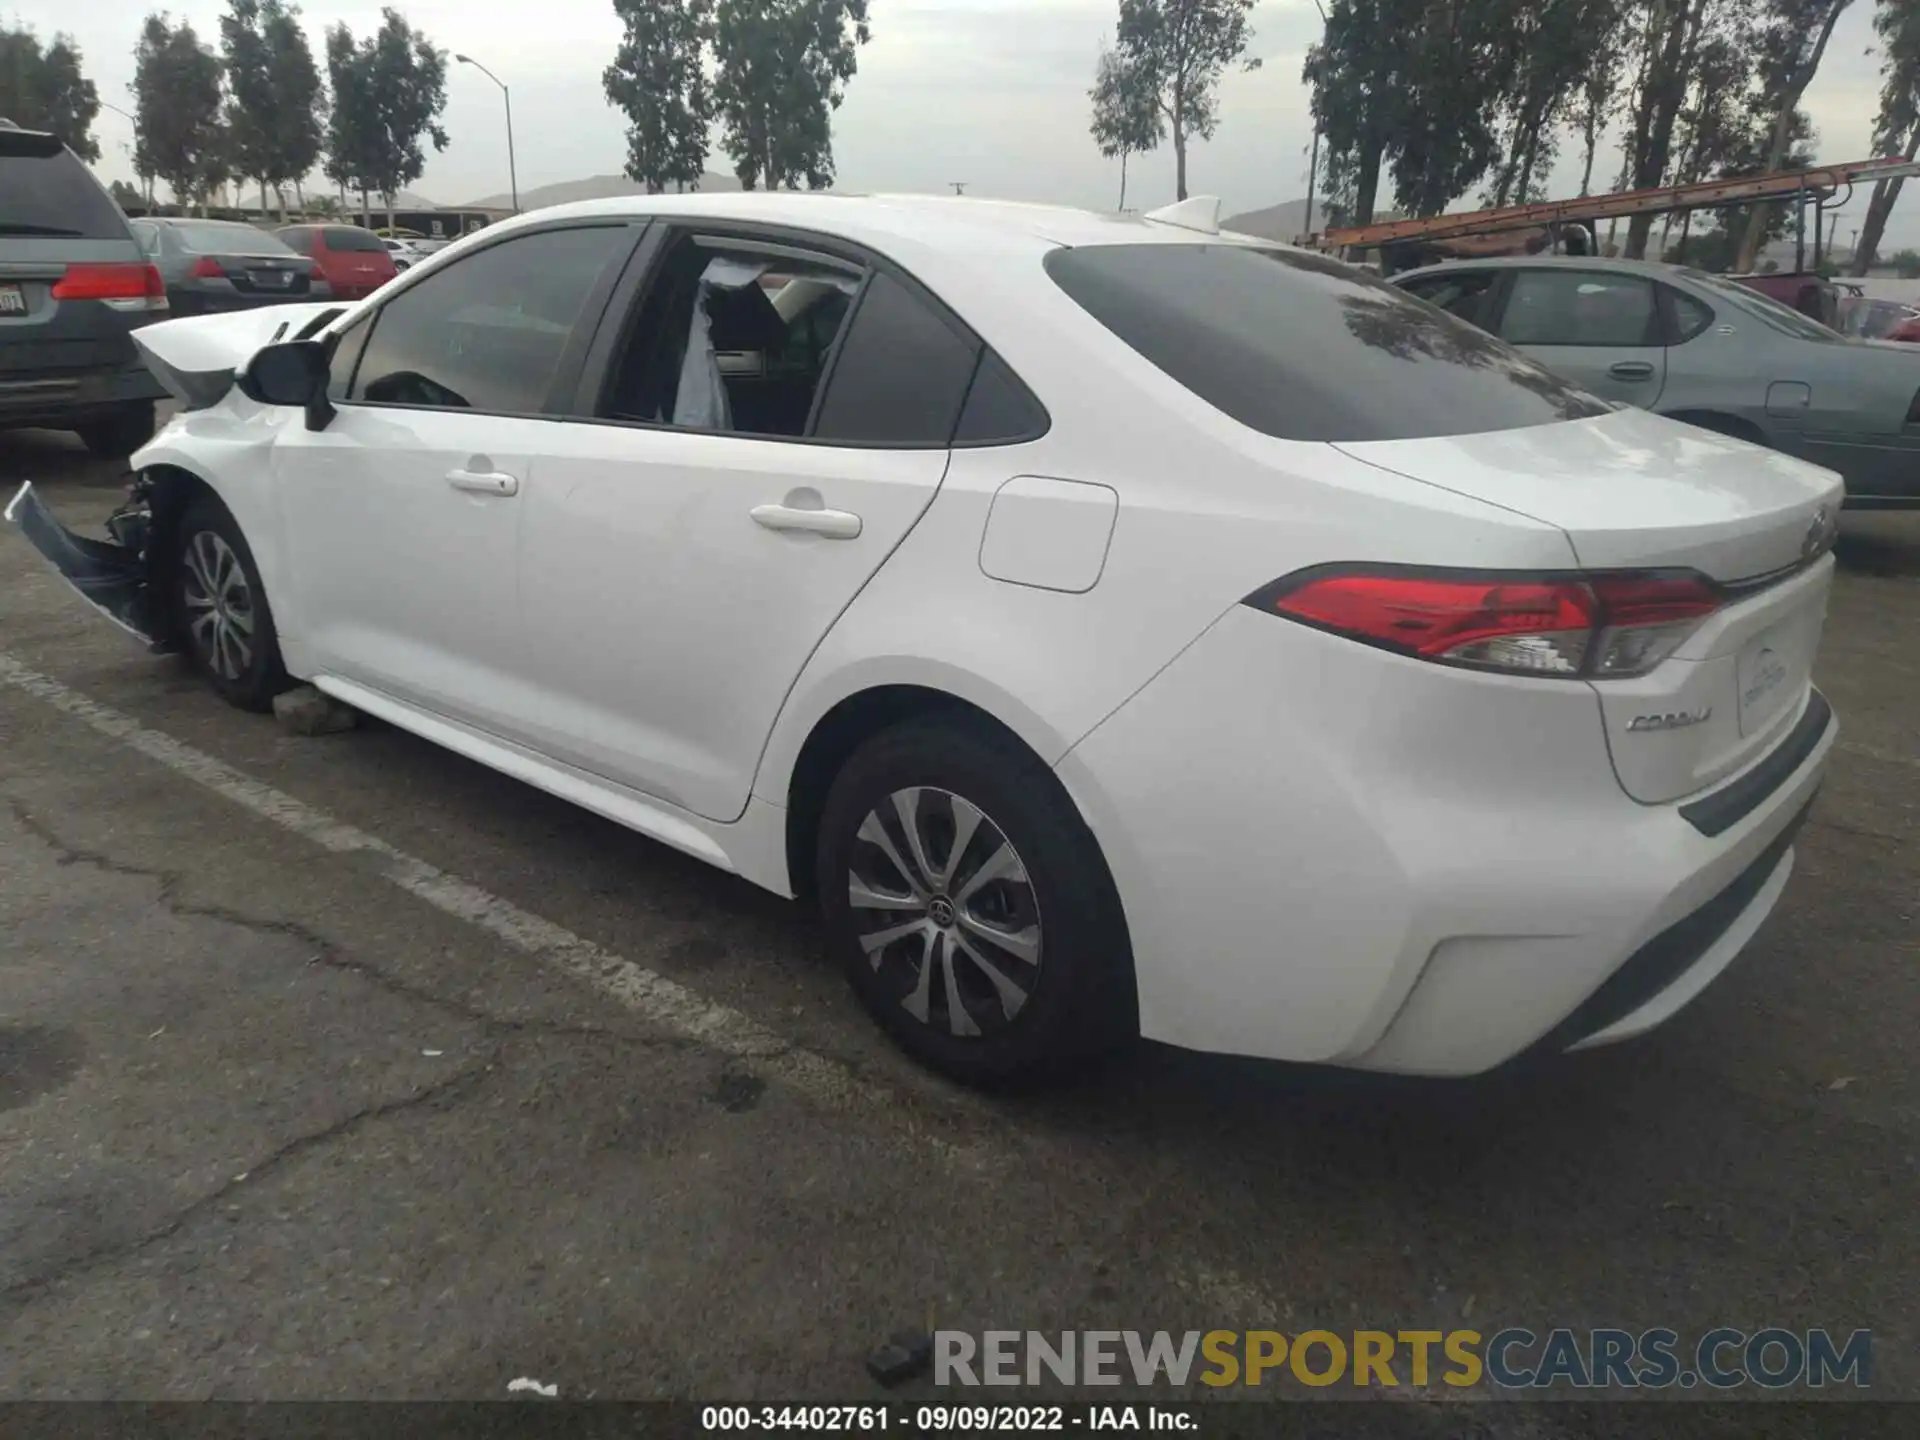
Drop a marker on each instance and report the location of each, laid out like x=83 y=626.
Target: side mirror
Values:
x=294 y=373
x=286 y=374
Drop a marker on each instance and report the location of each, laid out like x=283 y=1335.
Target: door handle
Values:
x=834 y=524
x=1631 y=370
x=484 y=482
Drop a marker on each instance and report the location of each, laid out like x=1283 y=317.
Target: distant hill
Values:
x=594 y=187
x=1286 y=222
x=1276 y=222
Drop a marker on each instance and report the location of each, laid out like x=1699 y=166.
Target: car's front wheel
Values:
x=971 y=907
x=221 y=609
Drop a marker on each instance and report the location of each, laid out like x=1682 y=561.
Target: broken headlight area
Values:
x=111 y=575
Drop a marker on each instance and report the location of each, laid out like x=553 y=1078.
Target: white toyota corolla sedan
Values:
x=1114 y=625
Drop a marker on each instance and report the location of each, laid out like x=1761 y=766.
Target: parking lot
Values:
x=342 y=1067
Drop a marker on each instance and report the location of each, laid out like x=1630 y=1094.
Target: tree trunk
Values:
x=388 y=197
x=1366 y=184
x=1878 y=209
x=1526 y=166
x=1783 y=131
x=1123 y=182
x=1179 y=155
x=1665 y=92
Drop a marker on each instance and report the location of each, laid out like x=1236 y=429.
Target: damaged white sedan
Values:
x=1115 y=625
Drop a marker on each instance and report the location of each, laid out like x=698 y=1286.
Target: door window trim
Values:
x=553 y=405
x=643 y=271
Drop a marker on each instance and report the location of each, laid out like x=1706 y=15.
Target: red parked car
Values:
x=355 y=262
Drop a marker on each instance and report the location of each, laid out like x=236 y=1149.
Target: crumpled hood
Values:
x=196 y=356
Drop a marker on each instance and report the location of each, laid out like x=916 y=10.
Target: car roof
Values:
x=937 y=221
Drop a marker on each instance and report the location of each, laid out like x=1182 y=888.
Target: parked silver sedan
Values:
x=1701 y=348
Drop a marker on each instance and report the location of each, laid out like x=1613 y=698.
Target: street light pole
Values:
x=513 y=176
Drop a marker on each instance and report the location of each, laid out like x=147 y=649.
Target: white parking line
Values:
x=652 y=996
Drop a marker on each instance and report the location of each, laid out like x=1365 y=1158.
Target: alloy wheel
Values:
x=944 y=911
x=219 y=605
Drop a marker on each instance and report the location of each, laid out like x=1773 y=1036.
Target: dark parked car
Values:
x=211 y=265
x=353 y=261
x=73 y=284
x=1706 y=349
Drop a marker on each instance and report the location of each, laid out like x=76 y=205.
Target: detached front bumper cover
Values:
x=111 y=575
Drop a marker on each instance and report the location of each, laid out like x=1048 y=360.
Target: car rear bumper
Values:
x=66 y=398
x=1363 y=860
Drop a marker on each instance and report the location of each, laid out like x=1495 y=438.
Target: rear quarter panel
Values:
x=1208 y=512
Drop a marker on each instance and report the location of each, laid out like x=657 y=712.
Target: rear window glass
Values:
x=1763 y=307
x=1302 y=347
x=349 y=237
x=214 y=237
x=53 y=195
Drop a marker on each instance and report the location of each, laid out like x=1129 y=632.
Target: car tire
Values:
x=120 y=434
x=220 y=609
x=1057 y=989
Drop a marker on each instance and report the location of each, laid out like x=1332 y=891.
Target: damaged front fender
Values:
x=115 y=575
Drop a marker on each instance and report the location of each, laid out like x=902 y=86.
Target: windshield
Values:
x=1783 y=318
x=219 y=237
x=1302 y=347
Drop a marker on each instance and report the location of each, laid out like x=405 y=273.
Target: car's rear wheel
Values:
x=971 y=907
x=221 y=609
x=120 y=434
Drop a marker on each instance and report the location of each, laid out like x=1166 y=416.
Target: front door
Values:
x=684 y=554
x=1598 y=328
x=402 y=516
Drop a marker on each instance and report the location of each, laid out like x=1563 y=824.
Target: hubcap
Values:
x=219 y=602
x=945 y=911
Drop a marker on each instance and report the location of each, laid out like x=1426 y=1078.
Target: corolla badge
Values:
x=1671 y=720
x=1820 y=531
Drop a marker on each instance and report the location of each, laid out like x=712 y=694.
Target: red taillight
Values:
x=110 y=282
x=208 y=268
x=1580 y=625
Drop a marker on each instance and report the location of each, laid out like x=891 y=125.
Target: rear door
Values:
x=744 y=473
x=1601 y=329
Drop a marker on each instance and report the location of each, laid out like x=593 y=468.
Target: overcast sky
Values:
x=990 y=92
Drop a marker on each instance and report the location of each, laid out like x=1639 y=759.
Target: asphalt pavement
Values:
x=342 y=1067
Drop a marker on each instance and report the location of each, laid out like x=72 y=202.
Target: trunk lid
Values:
x=196 y=356
x=1635 y=491
x=267 y=274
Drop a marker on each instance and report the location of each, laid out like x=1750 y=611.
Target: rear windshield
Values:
x=54 y=195
x=1302 y=347
x=1763 y=307
x=351 y=237
x=219 y=237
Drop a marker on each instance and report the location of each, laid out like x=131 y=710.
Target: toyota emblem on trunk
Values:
x=1817 y=533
